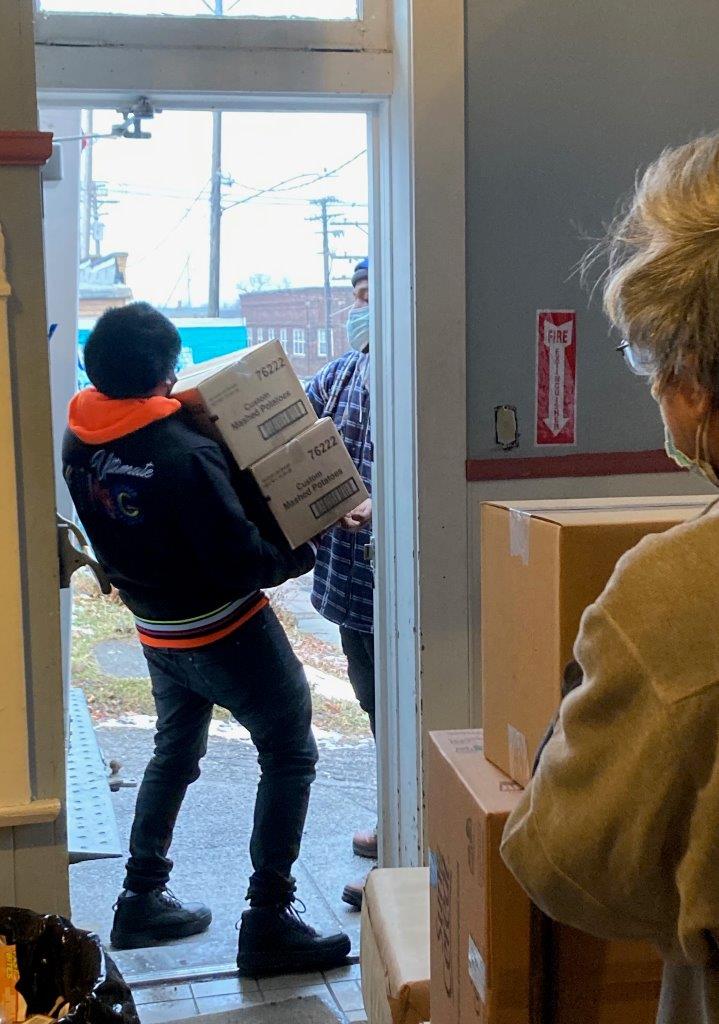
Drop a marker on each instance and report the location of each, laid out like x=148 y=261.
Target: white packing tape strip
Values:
x=519 y=521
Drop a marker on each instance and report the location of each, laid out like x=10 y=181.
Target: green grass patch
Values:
x=97 y=618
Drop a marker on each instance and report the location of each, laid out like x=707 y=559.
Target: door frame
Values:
x=414 y=100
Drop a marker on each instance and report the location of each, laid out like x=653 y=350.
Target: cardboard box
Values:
x=543 y=563
x=601 y=982
x=491 y=962
x=253 y=401
x=480 y=917
x=310 y=482
x=394 y=953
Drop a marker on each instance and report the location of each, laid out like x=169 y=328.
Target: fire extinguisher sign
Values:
x=556 y=377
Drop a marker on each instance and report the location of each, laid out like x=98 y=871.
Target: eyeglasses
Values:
x=639 y=366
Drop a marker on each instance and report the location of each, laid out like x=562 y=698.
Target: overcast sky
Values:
x=158 y=192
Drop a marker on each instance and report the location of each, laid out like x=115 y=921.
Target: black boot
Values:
x=274 y=940
x=149 y=918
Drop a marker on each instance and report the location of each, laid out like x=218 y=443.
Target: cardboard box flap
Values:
x=194 y=375
x=607 y=511
x=464 y=751
x=244 y=363
x=397 y=903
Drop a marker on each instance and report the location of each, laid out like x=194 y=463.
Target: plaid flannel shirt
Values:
x=343 y=583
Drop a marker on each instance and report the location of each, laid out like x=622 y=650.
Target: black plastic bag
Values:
x=57 y=961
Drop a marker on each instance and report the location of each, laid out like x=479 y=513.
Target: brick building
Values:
x=102 y=284
x=296 y=317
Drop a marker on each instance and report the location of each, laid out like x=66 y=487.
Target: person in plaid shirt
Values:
x=343 y=580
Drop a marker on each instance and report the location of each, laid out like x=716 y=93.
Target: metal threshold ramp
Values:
x=91 y=826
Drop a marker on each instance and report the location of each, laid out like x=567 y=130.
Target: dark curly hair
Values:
x=131 y=350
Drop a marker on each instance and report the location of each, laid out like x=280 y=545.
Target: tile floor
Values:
x=339 y=990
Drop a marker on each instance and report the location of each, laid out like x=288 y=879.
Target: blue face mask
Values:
x=358 y=328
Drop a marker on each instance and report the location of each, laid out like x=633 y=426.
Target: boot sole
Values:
x=139 y=940
x=258 y=965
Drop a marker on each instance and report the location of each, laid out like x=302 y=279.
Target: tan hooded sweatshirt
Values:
x=618 y=835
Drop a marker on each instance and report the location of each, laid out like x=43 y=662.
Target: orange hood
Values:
x=97 y=419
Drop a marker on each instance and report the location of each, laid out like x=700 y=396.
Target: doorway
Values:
x=242 y=227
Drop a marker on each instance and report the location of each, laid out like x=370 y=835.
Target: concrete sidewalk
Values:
x=211 y=844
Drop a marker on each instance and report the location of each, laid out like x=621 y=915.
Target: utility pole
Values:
x=333 y=227
x=324 y=204
x=95 y=227
x=213 y=299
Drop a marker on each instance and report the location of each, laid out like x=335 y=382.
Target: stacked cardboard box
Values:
x=543 y=563
x=494 y=958
x=254 y=404
x=395 y=946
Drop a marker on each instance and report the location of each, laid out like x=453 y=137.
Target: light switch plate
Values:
x=506 y=427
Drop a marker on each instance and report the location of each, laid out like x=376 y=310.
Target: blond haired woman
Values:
x=618 y=835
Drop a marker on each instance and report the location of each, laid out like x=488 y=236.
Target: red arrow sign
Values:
x=556 y=377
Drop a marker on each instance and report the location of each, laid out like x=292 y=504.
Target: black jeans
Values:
x=359 y=650
x=255 y=675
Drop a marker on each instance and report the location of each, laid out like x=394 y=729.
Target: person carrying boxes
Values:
x=168 y=520
x=617 y=833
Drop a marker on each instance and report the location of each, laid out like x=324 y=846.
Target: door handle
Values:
x=73 y=557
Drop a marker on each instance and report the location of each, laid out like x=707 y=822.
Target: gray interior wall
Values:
x=565 y=98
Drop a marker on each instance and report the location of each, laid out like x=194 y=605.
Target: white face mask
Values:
x=700 y=463
x=358 y=328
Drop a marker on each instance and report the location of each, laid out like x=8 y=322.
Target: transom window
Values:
x=327 y=10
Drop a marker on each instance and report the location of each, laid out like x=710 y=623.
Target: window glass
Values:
x=298 y=341
x=327 y=10
x=148 y=233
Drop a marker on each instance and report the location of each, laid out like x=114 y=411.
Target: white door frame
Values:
x=414 y=99
x=61 y=237
x=419 y=415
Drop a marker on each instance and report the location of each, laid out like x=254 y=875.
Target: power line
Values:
x=172 y=230
x=278 y=187
x=185 y=265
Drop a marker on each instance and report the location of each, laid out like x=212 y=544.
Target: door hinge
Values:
x=73 y=557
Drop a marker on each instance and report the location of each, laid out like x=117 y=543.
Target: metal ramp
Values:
x=91 y=826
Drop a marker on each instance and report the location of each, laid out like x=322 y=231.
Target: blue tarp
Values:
x=202 y=339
